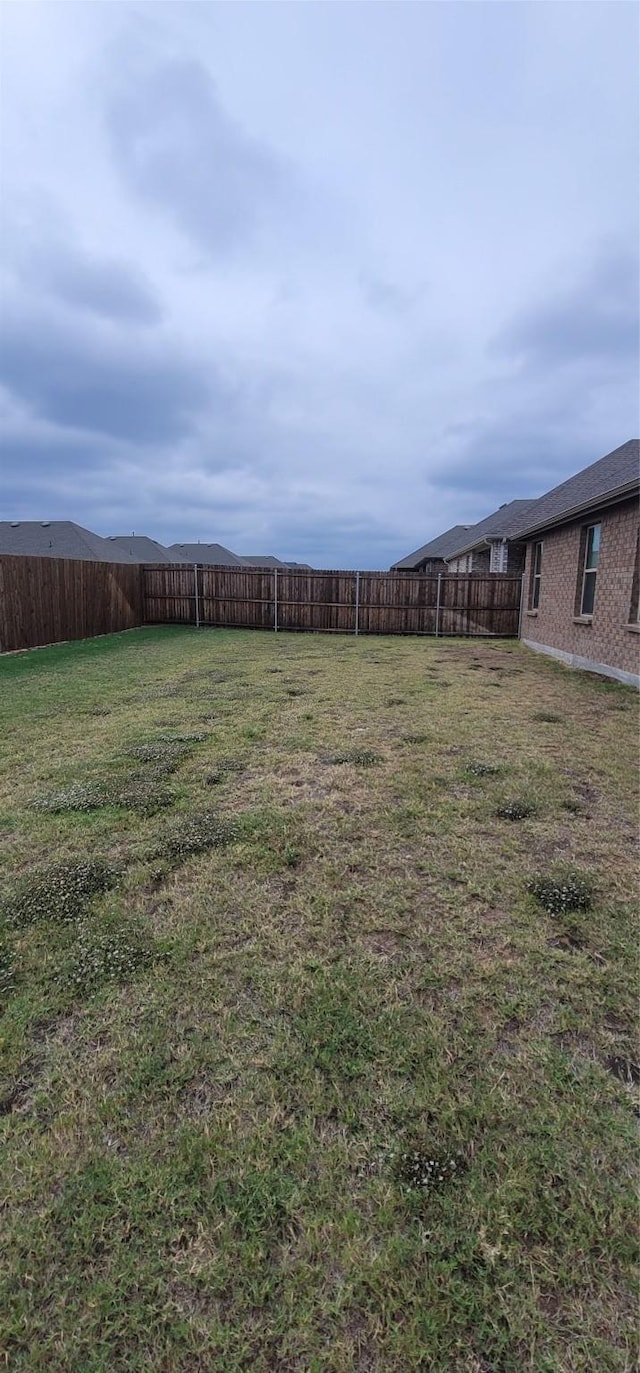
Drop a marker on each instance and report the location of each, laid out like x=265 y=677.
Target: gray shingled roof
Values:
x=58 y=539
x=141 y=548
x=437 y=548
x=504 y=523
x=212 y=554
x=261 y=560
x=610 y=478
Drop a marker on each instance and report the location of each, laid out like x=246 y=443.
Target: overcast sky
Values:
x=317 y=280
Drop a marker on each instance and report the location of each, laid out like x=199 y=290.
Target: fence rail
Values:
x=332 y=602
x=48 y=600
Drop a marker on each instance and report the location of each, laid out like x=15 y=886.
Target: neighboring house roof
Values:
x=212 y=554
x=303 y=567
x=261 y=560
x=437 y=548
x=58 y=539
x=141 y=548
x=606 y=481
x=504 y=523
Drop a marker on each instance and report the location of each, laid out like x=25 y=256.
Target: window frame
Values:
x=634 y=609
x=588 y=571
x=536 y=574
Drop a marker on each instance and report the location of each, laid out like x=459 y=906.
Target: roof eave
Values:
x=575 y=512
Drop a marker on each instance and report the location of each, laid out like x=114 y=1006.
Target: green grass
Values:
x=313 y=1081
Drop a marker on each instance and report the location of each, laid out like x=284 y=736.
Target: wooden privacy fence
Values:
x=49 y=600
x=338 y=602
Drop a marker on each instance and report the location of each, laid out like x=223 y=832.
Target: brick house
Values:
x=493 y=545
x=582 y=569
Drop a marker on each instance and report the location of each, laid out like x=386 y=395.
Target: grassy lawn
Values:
x=296 y=1071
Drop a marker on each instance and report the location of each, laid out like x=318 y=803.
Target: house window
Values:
x=634 y=616
x=536 y=572
x=590 y=569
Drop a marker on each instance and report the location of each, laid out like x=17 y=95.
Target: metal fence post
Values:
x=438 y=606
x=357 y=604
x=275 y=599
x=195 y=577
x=521 y=610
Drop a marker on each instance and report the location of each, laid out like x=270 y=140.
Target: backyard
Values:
x=318 y=975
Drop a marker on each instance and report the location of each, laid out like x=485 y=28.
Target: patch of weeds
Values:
x=107 y=955
x=297 y=691
x=192 y=834
x=396 y=701
x=479 y=769
x=427 y=1170
x=141 y=790
x=563 y=892
x=99 y=710
x=81 y=796
x=357 y=757
x=138 y=793
x=547 y=717
x=160 y=750
x=59 y=892
x=574 y=805
x=213 y=779
x=7 y=969
x=516 y=810
x=231 y=764
x=292 y=856
x=415 y=738
x=624 y=1069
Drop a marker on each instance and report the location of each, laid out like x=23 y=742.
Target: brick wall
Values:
x=605 y=639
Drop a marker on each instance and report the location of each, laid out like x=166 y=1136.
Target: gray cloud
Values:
x=101 y=286
x=79 y=380
x=389 y=297
x=175 y=146
x=595 y=320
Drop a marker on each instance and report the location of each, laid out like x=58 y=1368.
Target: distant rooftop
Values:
x=439 y=547
x=504 y=523
x=141 y=548
x=59 y=539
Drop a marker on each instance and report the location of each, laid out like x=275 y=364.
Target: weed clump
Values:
x=547 y=717
x=424 y=1170
x=138 y=790
x=357 y=757
x=107 y=955
x=193 y=834
x=479 y=769
x=81 y=796
x=516 y=810
x=7 y=969
x=59 y=892
x=160 y=750
x=415 y=738
x=561 y=893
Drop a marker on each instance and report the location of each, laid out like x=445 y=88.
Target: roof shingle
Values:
x=439 y=547
x=614 y=475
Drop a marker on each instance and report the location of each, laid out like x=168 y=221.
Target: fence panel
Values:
x=50 y=600
x=388 y=603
